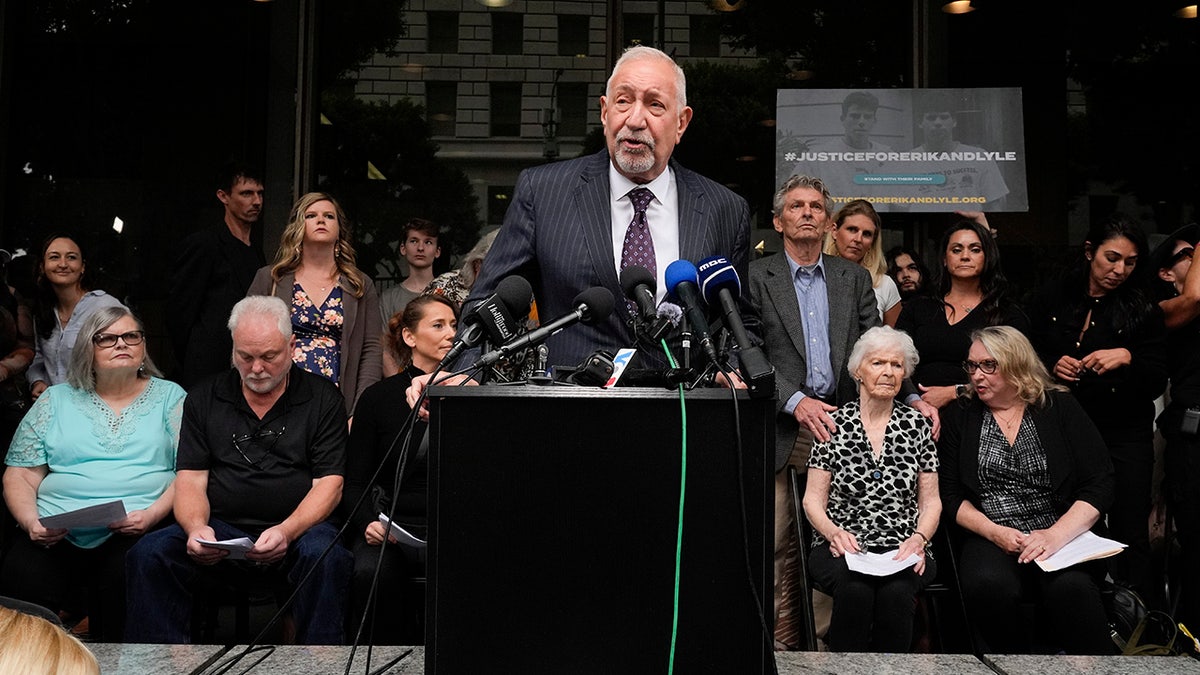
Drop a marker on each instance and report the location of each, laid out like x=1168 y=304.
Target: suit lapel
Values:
x=840 y=304
x=693 y=221
x=595 y=214
x=783 y=297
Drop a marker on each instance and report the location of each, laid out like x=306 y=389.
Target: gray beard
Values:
x=634 y=164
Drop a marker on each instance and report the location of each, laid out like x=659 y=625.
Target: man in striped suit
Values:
x=566 y=227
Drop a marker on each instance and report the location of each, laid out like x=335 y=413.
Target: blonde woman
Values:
x=335 y=310
x=856 y=237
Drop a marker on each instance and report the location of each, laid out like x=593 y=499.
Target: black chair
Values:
x=948 y=627
x=803 y=541
x=215 y=590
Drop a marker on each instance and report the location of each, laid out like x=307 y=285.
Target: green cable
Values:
x=679 y=530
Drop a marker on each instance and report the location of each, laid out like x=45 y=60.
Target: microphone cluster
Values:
x=714 y=283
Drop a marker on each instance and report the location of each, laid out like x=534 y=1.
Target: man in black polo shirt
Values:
x=261 y=455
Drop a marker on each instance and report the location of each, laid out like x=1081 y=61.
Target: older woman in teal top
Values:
x=110 y=432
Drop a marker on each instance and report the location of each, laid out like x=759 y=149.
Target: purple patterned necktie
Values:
x=639 y=247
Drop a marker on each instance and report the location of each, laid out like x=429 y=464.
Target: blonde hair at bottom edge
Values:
x=31 y=645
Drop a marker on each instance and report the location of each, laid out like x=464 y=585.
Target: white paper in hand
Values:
x=237 y=547
x=879 y=564
x=100 y=515
x=402 y=535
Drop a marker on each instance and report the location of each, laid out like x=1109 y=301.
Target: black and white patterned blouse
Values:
x=1014 y=482
x=875 y=499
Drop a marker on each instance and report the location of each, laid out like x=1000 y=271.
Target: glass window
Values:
x=639 y=29
x=572 y=35
x=442 y=35
x=506 y=109
x=441 y=103
x=498 y=199
x=704 y=37
x=507 y=32
x=573 y=109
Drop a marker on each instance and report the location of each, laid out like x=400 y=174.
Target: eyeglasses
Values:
x=106 y=340
x=1181 y=254
x=988 y=366
x=265 y=439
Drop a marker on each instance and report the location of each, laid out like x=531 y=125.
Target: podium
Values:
x=553 y=514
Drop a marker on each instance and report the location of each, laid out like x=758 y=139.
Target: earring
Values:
x=337 y=249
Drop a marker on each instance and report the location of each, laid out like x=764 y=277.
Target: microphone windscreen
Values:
x=679 y=272
x=598 y=302
x=716 y=273
x=516 y=294
x=636 y=274
x=671 y=312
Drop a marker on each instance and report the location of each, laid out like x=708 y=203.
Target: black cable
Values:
x=755 y=593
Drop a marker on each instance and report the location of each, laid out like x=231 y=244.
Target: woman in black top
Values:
x=1101 y=336
x=1023 y=472
x=422 y=334
x=968 y=291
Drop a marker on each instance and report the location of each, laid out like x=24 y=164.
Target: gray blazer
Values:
x=557 y=234
x=362 y=357
x=852 y=310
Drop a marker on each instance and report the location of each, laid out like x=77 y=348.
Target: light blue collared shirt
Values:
x=812 y=297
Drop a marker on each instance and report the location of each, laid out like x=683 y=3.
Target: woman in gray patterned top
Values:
x=1024 y=471
x=873 y=488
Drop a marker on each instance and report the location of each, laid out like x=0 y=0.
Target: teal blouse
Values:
x=95 y=456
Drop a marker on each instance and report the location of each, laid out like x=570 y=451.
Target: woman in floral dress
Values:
x=335 y=310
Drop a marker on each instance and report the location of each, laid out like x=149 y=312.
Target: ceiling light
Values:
x=958 y=7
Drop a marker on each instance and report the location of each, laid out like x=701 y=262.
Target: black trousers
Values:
x=870 y=614
x=65 y=576
x=1182 y=487
x=397 y=602
x=994 y=585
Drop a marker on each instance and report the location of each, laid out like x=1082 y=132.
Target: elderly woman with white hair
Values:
x=108 y=433
x=873 y=488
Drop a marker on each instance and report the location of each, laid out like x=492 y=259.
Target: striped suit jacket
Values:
x=557 y=234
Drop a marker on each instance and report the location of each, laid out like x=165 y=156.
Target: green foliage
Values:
x=393 y=137
x=364 y=28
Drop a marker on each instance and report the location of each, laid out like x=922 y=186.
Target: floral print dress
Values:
x=318 y=332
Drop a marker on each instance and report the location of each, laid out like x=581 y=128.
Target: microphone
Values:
x=681 y=277
x=721 y=286
x=591 y=306
x=496 y=318
x=639 y=285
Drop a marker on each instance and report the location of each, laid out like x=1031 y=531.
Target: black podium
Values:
x=553 y=514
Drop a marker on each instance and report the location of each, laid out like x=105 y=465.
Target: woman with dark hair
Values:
x=335 y=311
x=109 y=432
x=968 y=291
x=422 y=334
x=1100 y=334
x=1023 y=473
x=63 y=303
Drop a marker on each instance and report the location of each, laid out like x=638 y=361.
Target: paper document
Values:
x=879 y=564
x=237 y=547
x=99 y=515
x=1086 y=546
x=402 y=535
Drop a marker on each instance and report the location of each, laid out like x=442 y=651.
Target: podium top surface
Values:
x=525 y=390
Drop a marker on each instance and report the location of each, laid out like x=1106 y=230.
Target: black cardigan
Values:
x=1076 y=456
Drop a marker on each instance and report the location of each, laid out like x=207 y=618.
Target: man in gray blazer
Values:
x=812 y=308
x=566 y=227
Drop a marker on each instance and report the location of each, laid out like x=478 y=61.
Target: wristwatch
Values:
x=960 y=390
